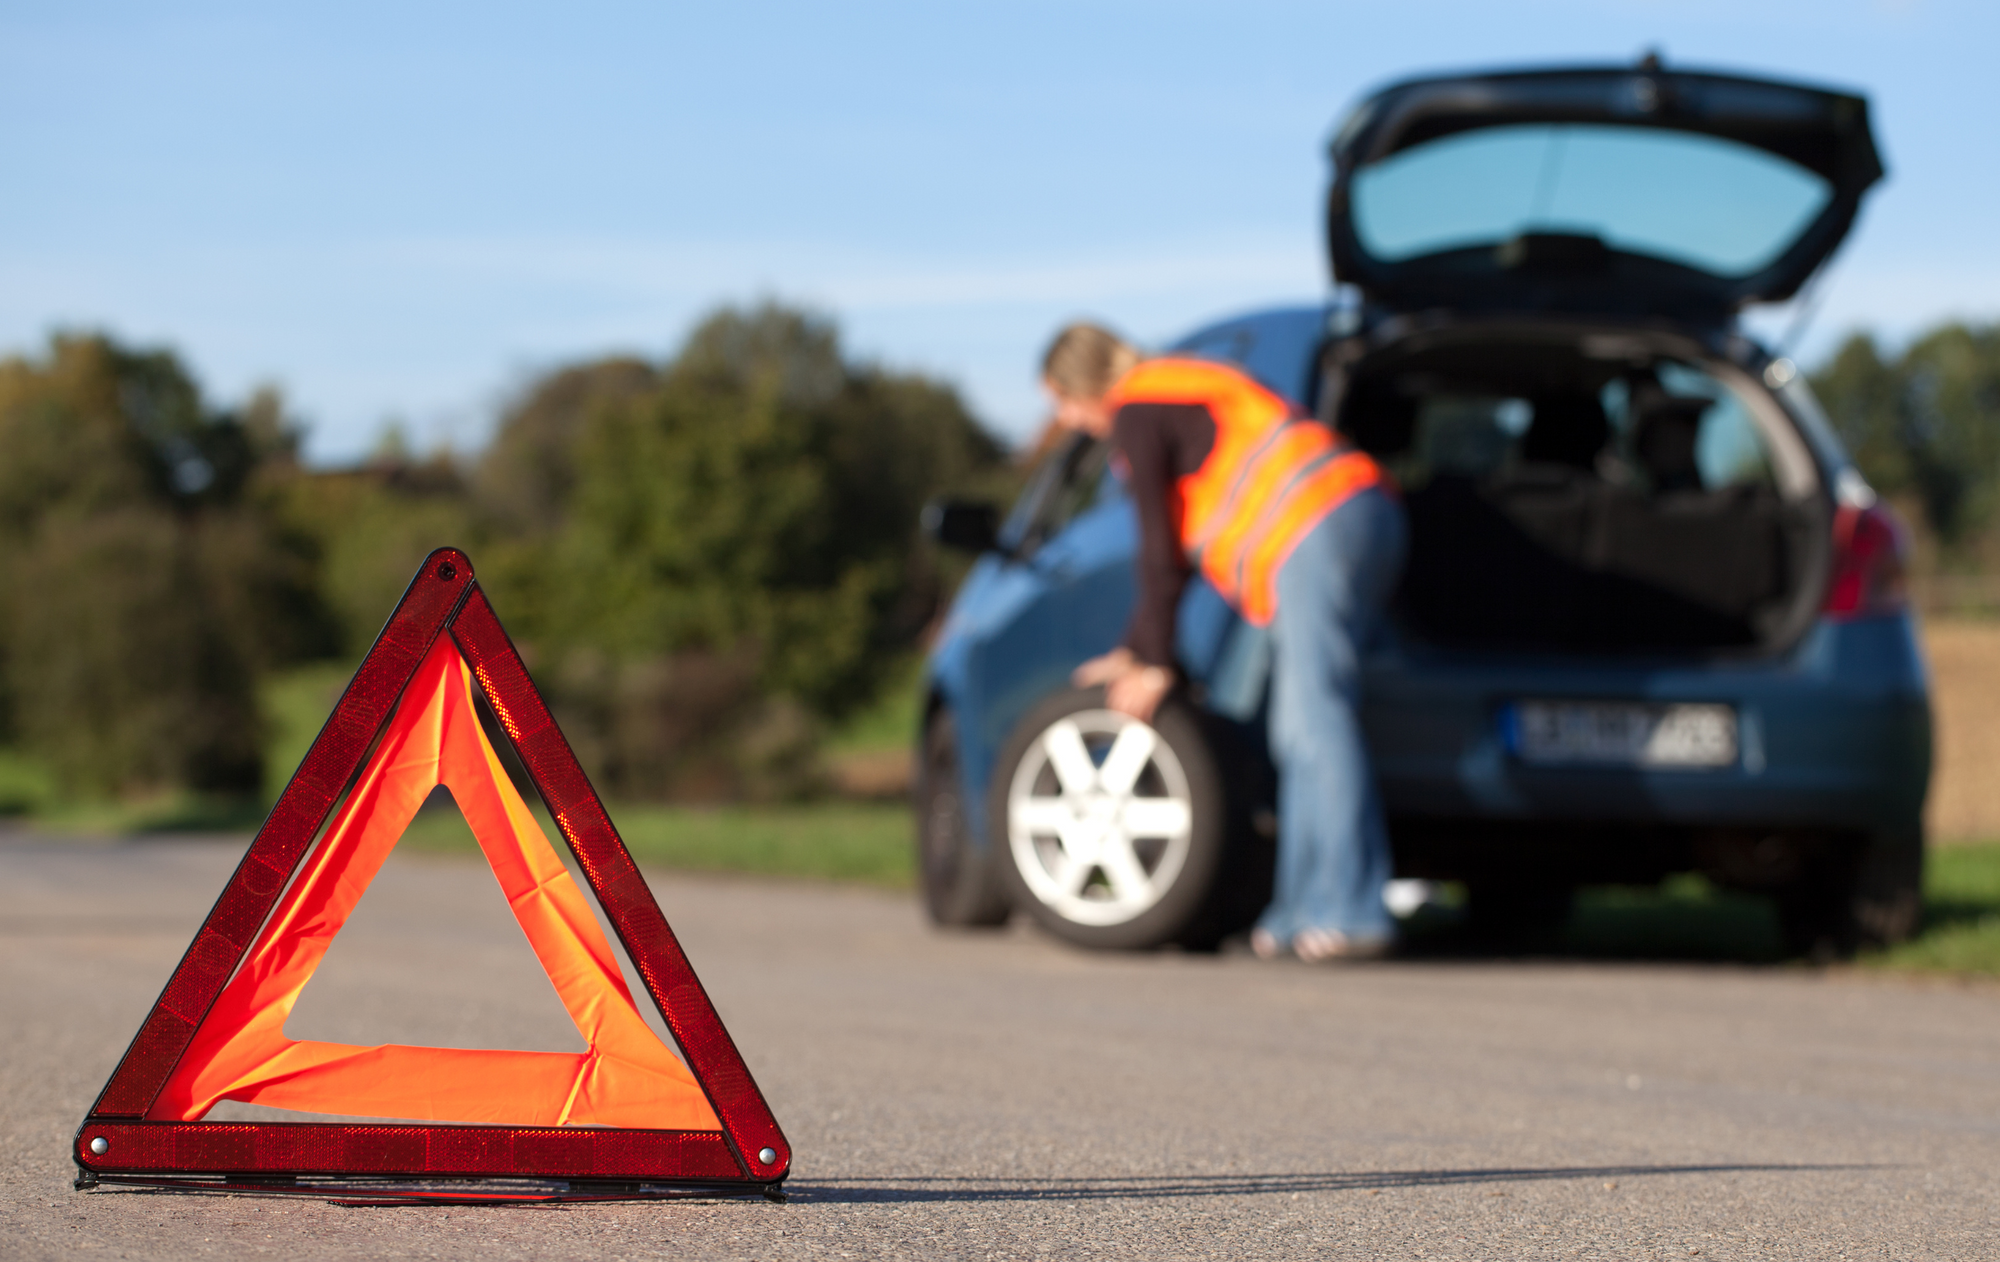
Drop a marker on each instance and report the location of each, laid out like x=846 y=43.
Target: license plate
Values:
x=1623 y=734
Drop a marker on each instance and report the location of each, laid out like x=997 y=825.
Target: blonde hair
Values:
x=1085 y=360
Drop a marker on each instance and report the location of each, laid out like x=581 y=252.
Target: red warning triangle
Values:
x=626 y=1110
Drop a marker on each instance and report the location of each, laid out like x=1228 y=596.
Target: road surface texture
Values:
x=1000 y=1096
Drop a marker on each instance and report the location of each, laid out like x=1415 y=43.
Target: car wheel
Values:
x=960 y=885
x=1888 y=904
x=1853 y=893
x=1110 y=831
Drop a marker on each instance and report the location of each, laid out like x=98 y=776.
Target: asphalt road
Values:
x=1001 y=1096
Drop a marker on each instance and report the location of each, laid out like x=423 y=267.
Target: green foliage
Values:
x=528 y=474
x=371 y=527
x=707 y=560
x=145 y=578
x=26 y=788
x=762 y=500
x=891 y=720
x=713 y=560
x=296 y=702
x=1926 y=423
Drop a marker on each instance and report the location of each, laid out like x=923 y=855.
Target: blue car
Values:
x=1653 y=619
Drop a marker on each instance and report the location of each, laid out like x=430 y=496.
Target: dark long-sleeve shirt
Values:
x=1161 y=443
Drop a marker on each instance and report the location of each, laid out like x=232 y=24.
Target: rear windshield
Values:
x=1714 y=205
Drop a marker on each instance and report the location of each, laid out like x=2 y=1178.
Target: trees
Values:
x=1924 y=424
x=723 y=554
x=144 y=578
x=705 y=558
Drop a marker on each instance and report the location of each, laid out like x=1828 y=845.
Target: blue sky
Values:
x=406 y=210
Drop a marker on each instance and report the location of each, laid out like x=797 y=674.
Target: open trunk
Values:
x=1605 y=487
x=1609 y=190
x=1580 y=492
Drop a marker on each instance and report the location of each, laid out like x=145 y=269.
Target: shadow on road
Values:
x=969 y=1190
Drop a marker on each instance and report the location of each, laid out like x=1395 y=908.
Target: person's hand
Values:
x=1139 y=691
x=1130 y=686
x=1102 y=670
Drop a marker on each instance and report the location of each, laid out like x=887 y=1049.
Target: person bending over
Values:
x=1298 y=531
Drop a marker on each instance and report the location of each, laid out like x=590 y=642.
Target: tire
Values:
x=961 y=888
x=1110 y=832
x=1888 y=902
x=1856 y=892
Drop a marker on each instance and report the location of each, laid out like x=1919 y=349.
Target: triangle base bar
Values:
x=377 y=1151
x=360 y=1192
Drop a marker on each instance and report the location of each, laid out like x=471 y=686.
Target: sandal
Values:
x=1319 y=946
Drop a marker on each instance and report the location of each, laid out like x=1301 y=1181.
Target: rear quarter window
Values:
x=1729 y=451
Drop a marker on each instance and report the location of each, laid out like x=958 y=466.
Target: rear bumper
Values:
x=1835 y=734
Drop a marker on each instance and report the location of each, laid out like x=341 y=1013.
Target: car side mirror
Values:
x=970 y=525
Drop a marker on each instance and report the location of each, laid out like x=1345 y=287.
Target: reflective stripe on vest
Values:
x=1268 y=480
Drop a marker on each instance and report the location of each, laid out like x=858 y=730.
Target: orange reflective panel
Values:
x=627 y=1077
x=1301 y=508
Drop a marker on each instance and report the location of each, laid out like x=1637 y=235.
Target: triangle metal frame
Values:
x=117 y=1144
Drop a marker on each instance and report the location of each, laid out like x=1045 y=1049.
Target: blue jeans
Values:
x=1333 y=847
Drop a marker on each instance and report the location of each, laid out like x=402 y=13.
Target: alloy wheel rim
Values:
x=1099 y=817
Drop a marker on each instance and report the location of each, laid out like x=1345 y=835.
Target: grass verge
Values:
x=842 y=841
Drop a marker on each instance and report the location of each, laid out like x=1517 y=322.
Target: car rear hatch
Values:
x=1621 y=191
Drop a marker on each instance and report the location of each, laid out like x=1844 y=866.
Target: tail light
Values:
x=1869 y=570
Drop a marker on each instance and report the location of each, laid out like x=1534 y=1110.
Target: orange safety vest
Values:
x=1271 y=476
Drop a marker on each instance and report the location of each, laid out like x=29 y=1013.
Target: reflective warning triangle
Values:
x=625 y=1111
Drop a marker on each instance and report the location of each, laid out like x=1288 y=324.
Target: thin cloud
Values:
x=858 y=281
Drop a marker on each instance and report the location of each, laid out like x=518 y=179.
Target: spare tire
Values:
x=1110 y=832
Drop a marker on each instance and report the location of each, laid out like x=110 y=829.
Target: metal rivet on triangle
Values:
x=767 y=1155
x=447 y=571
x=101 y=1145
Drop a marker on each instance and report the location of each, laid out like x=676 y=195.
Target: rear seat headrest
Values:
x=1567 y=429
x=1666 y=432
